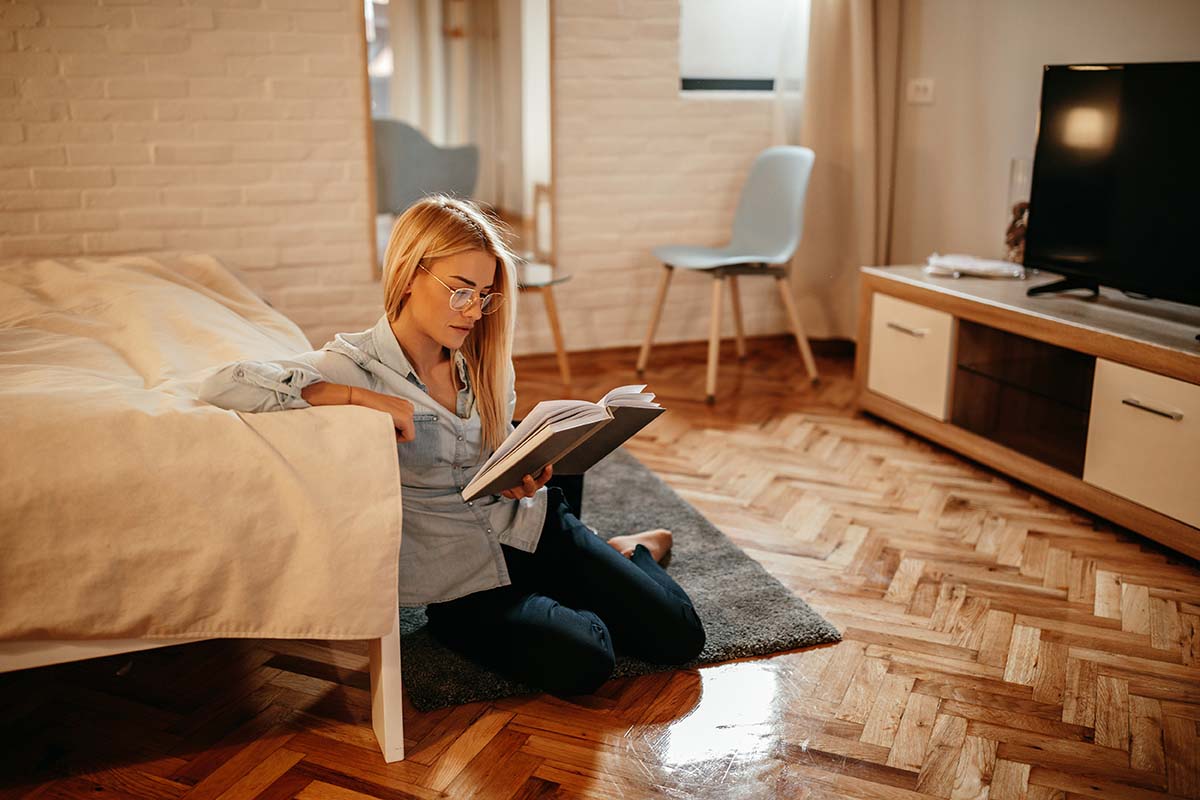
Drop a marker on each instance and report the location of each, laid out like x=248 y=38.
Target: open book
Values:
x=570 y=434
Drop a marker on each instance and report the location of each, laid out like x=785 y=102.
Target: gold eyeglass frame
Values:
x=487 y=305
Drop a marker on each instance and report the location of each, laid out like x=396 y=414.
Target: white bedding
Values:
x=130 y=509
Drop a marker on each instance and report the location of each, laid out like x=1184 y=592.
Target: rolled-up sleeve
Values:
x=276 y=385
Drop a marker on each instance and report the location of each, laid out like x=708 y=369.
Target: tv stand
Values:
x=1065 y=285
x=1087 y=399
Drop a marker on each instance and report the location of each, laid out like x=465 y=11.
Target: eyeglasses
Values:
x=463 y=299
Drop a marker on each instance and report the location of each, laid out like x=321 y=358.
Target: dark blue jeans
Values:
x=572 y=606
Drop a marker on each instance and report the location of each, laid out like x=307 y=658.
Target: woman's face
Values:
x=429 y=301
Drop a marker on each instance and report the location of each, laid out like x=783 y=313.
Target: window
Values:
x=739 y=46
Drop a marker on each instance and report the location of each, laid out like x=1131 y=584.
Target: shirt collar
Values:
x=392 y=355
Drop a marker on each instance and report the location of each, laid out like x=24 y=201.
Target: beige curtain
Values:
x=480 y=111
x=849 y=120
x=418 y=81
x=444 y=78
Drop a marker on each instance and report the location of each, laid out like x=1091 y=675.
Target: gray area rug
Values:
x=745 y=611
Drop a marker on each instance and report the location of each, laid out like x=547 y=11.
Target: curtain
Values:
x=789 y=77
x=845 y=110
x=442 y=76
x=478 y=113
x=417 y=76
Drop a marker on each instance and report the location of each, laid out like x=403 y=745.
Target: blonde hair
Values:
x=438 y=226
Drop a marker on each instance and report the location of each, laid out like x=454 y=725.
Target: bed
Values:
x=133 y=515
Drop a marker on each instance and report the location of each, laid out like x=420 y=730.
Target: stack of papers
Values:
x=956 y=265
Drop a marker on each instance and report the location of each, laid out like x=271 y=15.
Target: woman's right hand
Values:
x=399 y=409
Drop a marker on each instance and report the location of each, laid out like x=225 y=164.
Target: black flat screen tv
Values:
x=1115 y=191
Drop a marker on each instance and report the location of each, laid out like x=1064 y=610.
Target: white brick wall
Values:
x=636 y=166
x=236 y=127
x=232 y=127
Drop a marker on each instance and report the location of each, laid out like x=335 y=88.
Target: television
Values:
x=1115 y=193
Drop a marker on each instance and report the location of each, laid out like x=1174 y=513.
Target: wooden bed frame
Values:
x=386 y=710
x=387 y=718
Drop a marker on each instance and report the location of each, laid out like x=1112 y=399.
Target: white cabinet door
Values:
x=911 y=357
x=1144 y=440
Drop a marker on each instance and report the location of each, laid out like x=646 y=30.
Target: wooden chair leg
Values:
x=655 y=316
x=564 y=368
x=387 y=716
x=789 y=303
x=714 y=341
x=737 y=317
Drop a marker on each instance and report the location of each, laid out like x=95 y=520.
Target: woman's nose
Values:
x=474 y=312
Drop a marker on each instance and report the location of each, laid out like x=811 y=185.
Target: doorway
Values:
x=460 y=101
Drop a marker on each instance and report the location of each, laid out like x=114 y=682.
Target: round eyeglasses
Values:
x=463 y=299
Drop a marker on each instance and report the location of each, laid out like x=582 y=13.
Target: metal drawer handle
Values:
x=918 y=332
x=1131 y=401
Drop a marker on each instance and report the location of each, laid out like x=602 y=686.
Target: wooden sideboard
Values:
x=1094 y=400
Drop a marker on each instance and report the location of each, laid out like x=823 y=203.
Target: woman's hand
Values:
x=400 y=410
x=529 y=485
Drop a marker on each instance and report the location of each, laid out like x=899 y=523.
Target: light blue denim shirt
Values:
x=450 y=547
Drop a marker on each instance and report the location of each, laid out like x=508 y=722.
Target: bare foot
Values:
x=657 y=541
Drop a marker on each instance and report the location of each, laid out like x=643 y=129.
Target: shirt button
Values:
x=489 y=530
x=460 y=438
x=470 y=502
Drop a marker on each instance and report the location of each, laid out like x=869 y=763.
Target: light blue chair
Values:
x=408 y=166
x=766 y=232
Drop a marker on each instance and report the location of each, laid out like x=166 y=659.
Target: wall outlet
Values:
x=920 y=91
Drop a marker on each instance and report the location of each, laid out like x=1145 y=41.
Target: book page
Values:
x=538 y=417
x=621 y=391
x=633 y=395
x=569 y=423
x=534 y=454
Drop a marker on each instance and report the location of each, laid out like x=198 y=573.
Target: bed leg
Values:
x=387 y=716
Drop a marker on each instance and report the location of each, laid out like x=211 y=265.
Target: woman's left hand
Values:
x=529 y=485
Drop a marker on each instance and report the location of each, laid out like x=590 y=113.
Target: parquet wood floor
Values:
x=998 y=644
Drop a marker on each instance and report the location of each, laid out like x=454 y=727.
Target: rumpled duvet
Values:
x=128 y=508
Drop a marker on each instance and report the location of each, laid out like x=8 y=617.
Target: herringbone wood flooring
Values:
x=997 y=645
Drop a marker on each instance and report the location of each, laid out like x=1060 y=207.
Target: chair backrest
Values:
x=770 y=212
x=408 y=166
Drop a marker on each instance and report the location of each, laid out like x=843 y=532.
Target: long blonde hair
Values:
x=438 y=226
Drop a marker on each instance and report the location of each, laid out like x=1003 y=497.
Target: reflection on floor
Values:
x=998 y=644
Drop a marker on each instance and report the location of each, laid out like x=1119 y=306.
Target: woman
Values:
x=513 y=581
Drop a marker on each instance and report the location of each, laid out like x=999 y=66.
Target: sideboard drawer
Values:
x=911 y=354
x=1144 y=440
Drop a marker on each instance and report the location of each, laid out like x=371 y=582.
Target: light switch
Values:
x=920 y=91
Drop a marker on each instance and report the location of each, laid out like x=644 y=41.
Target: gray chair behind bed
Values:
x=408 y=166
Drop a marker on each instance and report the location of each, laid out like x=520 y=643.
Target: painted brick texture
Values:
x=637 y=166
x=237 y=128
x=231 y=127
